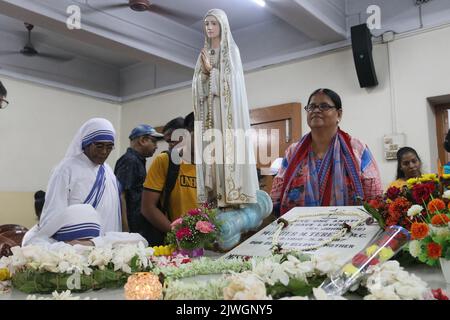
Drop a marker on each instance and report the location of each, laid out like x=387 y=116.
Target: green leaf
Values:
x=447 y=254
x=134 y=264
x=423 y=257
x=31 y=281
x=295 y=287
x=375 y=214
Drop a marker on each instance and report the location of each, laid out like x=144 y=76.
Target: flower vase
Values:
x=381 y=249
x=445 y=266
x=191 y=253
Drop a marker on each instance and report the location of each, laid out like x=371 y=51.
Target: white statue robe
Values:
x=229 y=177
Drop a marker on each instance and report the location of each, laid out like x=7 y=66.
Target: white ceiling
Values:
x=120 y=53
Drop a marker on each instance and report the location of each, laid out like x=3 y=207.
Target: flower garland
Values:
x=37 y=269
x=64 y=295
x=283 y=223
x=288 y=274
x=387 y=281
x=202 y=266
x=210 y=290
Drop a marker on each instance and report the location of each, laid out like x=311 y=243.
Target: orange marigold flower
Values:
x=439 y=219
x=419 y=230
x=400 y=206
x=436 y=205
x=434 y=250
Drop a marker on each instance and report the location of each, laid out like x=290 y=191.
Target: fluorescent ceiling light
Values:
x=260 y=2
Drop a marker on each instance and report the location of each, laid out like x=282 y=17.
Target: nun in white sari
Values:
x=83 y=177
x=226 y=170
x=78 y=224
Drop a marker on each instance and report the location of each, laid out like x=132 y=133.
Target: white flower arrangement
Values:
x=238 y=279
x=34 y=267
x=64 y=295
x=414 y=210
x=414 y=248
x=446 y=194
x=245 y=286
x=69 y=259
x=202 y=266
x=181 y=290
x=271 y=270
x=386 y=281
x=389 y=281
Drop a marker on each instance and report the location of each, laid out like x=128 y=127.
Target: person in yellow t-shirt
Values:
x=409 y=166
x=183 y=195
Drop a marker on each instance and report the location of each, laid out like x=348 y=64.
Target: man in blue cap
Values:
x=130 y=170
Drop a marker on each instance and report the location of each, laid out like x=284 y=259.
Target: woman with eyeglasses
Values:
x=327 y=167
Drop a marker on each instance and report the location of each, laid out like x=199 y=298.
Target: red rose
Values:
x=392 y=193
x=374 y=261
x=438 y=294
x=376 y=204
x=359 y=260
x=194 y=212
x=422 y=192
x=183 y=233
x=393 y=244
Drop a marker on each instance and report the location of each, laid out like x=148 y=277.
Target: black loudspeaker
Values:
x=362 y=55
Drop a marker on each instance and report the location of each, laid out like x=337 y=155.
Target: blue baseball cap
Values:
x=144 y=130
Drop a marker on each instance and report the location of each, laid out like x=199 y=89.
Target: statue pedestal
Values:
x=235 y=222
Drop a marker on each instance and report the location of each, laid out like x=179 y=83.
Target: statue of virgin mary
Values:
x=225 y=161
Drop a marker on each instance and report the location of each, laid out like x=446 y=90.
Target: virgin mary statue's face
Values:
x=212 y=27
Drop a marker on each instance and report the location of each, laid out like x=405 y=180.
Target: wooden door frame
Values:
x=280 y=112
x=442 y=125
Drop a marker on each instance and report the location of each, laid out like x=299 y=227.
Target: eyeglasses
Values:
x=3 y=103
x=322 y=107
x=100 y=146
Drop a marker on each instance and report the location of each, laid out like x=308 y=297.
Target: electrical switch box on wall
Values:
x=391 y=143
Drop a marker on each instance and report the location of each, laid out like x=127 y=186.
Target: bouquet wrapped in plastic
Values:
x=381 y=249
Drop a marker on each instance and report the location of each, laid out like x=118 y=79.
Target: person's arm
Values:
x=153 y=187
x=370 y=177
x=81 y=242
x=116 y=238
x=125 y=227
x=278 y=180
x=125 y=173
x=151 y=212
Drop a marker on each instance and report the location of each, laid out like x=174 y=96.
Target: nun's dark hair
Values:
x=39 y=200
x=189 y=122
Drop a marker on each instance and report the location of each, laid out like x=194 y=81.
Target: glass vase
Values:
x=381 y=249
x=445 y=267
